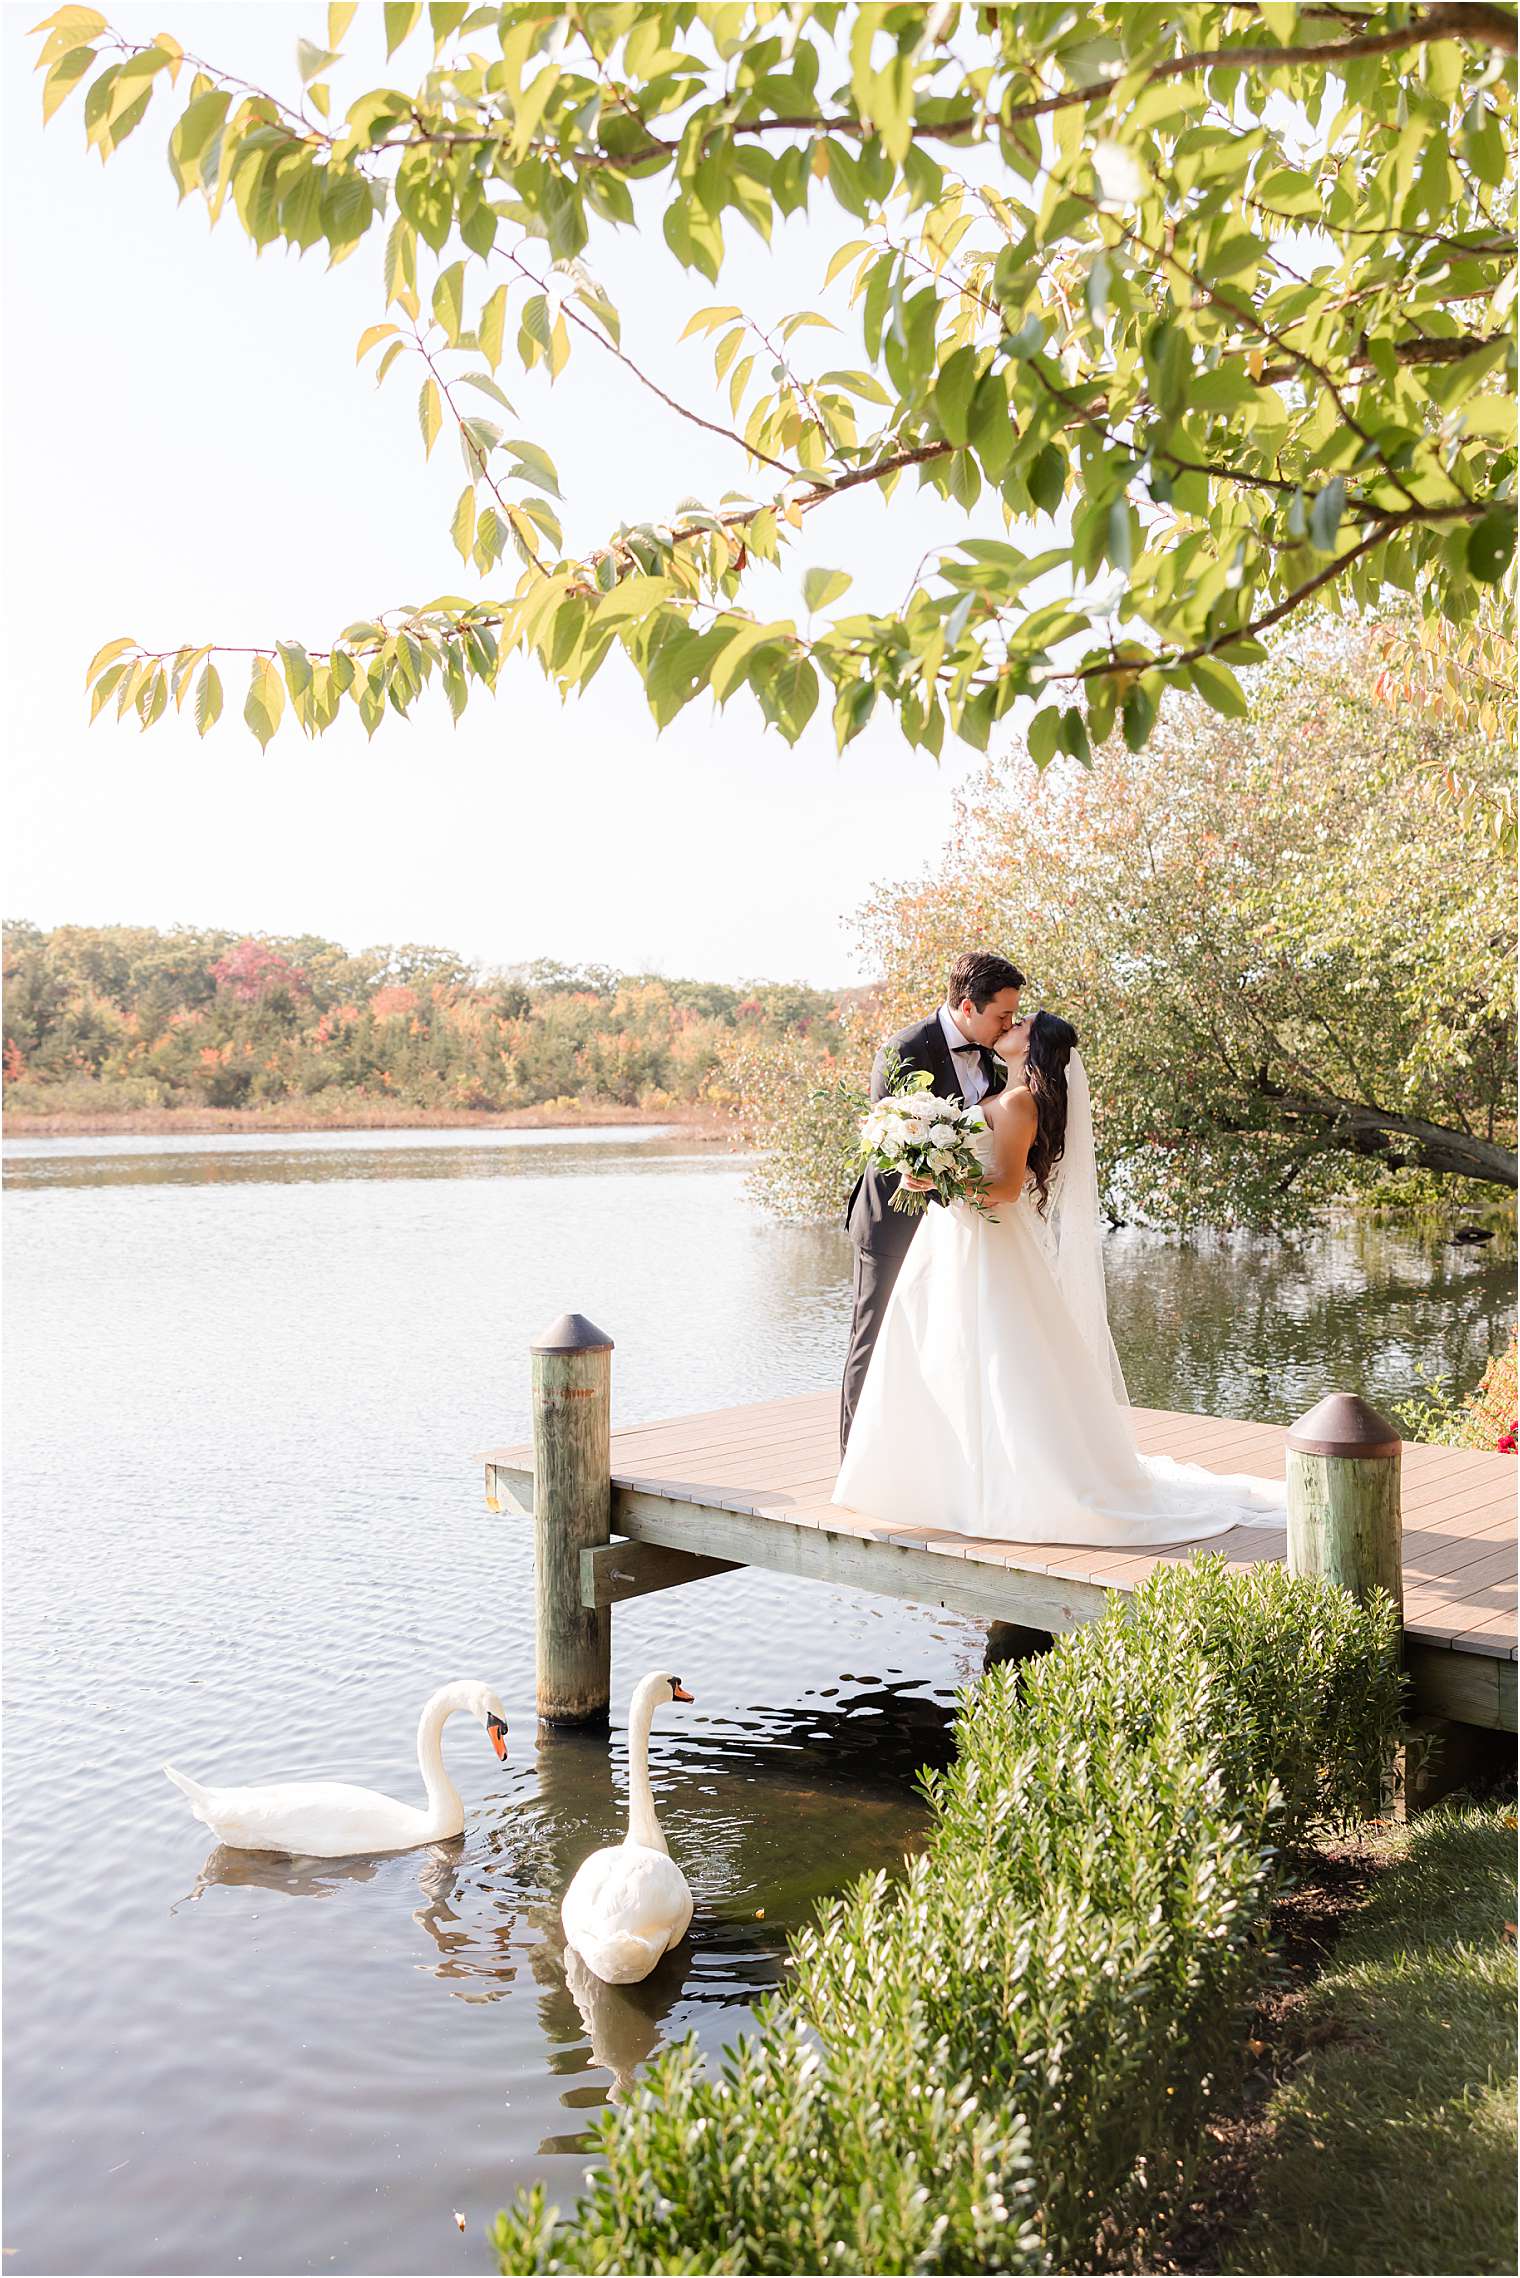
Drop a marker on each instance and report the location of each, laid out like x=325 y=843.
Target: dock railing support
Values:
x=1345 y=1518
x=572 y=1512
x=1346 y=1523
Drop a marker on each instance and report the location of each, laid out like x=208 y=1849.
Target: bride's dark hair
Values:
x=1051 y=1043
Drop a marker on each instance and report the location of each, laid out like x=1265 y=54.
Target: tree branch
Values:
x=1270 y=617
x=1371 y=1131
x=1452 y=21
x=729 y=434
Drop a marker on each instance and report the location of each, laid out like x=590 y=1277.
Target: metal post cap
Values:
x=572 y=1333
x=1344 y=1424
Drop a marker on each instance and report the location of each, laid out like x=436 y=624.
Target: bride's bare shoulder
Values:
x=1015 y=1105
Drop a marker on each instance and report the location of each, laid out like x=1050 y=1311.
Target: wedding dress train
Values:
x=994 y=1404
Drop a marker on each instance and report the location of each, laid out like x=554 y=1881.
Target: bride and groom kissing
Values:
x=982 y=1393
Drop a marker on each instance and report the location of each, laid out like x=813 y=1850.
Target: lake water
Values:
x=248 y=1380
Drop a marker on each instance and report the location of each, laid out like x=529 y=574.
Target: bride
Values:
x=994 y=1404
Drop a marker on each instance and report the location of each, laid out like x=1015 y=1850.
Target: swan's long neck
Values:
x=643 y=1827
x=444 y=1807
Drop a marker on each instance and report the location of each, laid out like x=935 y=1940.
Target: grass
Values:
x=1392 y=2146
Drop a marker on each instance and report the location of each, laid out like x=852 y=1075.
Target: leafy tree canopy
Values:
x=1191 y=311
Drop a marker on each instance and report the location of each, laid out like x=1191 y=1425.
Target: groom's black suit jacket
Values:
x=874 y=1225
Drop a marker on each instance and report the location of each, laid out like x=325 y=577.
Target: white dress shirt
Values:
x=969 y=1065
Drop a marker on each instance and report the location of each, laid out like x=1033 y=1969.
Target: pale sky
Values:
x=190 y=454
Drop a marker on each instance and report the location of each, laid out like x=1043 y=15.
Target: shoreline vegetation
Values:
x=1121 y=1816
x=138 y=1029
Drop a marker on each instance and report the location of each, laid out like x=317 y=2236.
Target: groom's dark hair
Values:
x=979 y=975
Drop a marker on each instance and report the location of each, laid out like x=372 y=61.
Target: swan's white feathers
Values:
x=329 y=1819
x=627 y=1906
x=314 y=1819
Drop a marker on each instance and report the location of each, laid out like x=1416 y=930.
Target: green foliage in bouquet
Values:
x=997 y=2059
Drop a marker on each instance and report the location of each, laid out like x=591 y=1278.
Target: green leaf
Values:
x=534 y=465
x=193 y=135
x=266 y=700
x=788 y=692
x=1219 y=688
x=745 y=635
x=1325 y=515
x=493 y=319
x=1044 y=736
x=208 y=699
x=310 y=59
x=429 y=414
x=448 y=301
x=486 y=385
x=400 y=21
x=297 y=666
x=991 y=425
x=821 y=586
x=953 y=391
x=64 y=78
x=1046 y=479
x=426 y=197
x=1073 y=736
x=107 y=655
x=107 y=683
x=347 y=209
x=1491 y=544
x=1138 y=715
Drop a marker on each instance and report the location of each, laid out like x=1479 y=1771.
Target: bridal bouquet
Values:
x=915 y=1130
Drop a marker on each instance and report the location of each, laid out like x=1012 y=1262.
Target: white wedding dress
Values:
x=994 y=1404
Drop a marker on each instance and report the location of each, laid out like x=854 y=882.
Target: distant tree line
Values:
x=112 y=1019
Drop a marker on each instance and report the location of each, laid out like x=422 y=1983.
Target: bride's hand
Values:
x=917 y=1185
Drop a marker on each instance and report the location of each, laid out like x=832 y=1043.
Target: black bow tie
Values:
x=992 y=1068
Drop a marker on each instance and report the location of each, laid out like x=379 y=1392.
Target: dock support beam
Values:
x=1346 y=1523
x=572 y=1512
x=1345 y=1518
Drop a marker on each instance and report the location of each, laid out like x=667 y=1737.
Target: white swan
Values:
x=629 y=1904
x=326 y=1819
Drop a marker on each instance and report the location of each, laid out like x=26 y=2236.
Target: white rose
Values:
x=940 y=1159
x=891 y=1148
x=942 y=1135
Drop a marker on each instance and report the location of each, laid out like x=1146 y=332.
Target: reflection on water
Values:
x=264 y=1158
x=248 y=1384
x=1263 y=1326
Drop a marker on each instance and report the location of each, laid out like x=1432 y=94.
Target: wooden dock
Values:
x=701 y=1494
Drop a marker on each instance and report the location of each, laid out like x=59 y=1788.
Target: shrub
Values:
x=1485 y=1419
x=803 y=1113
x=987 y=2064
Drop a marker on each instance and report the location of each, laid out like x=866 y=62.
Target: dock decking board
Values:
x=752 y=1485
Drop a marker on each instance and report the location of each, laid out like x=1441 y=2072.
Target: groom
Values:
x=955 y=1046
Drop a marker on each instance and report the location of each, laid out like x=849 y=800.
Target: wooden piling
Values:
x=1345 y=1520
x=572 y=1512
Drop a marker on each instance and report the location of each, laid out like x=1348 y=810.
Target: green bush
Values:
x=989 y=2063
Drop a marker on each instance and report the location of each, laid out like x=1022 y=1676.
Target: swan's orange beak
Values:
x=678 y=1691
x=498 y=1733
